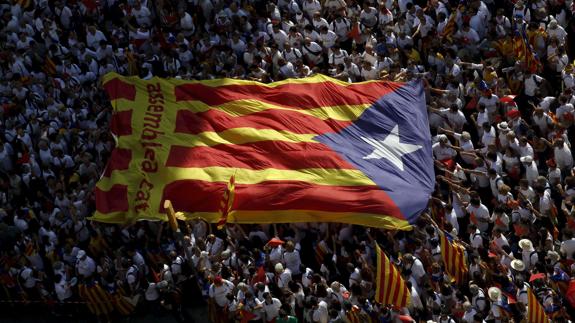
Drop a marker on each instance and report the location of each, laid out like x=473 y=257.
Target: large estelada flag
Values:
x=305 y=150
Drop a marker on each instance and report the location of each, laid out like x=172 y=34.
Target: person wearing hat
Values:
x=528 y=253
x=497 y=303
x=85 y=265
x=531 y=169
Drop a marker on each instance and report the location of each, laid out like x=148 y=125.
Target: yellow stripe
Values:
x=318 y=78
x=248 y=106
x=237 y=136
x=378 y=277
x=386 y=279
x=402 y=291
x=318 y=176
x=280 y=216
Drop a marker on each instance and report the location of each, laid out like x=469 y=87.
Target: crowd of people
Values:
x=502 y=122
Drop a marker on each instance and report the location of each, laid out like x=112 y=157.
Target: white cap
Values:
x=80 y=254
x=526 y=159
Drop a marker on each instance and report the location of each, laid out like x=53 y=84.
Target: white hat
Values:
x=525 y=244
x=26 y=274
x=162 y=284
x=279 y=268
x=503 y=126
x=494 y=293
x=517 y=265
x=80 y=254
x=553 y=255
x=526 y=159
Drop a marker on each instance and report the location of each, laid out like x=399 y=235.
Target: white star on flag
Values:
x=390 y=148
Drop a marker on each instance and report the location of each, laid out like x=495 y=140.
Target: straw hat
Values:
x=503 y=126
x=517 y=265
x=494 y=294
x=525 y=244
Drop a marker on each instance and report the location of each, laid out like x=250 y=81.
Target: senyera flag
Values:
x=305 y=150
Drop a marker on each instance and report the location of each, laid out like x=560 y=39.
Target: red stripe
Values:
x=121 y=124
x=382 y=276
x=281 y=195
x=390 y=278
x=259 y=155
x=119 y=160
x=114 y=200
x=300 y=96
x=217 y=121
x=118 y=89
x=395 y=288
x=406 y=295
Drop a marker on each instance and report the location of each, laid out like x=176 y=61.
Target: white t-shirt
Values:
x=481 y=214
x=218 y=293
x=532 y=82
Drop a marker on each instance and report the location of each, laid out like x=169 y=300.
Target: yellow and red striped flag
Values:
x=450 y=26
x=227 y=202
x=390 y=287
x=453 y=255
x=535 y=311
x=302 y=150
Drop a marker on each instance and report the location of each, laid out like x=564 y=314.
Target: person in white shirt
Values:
x=475 y=238
x=442 y=150
x=567 y=248
x=563 y=157
x=214 y=245
x=312 y=51
x=531 y=83
x=271 y=307
x=531 y=170
x=93 y=37
x=528 y=253
x=282 y=276
x=62 y=288
x=142 y=14
x=85 y=265
x=479 y=213
x=291 y=258
x=319 y=312
x=219 y=291
x=556 y=31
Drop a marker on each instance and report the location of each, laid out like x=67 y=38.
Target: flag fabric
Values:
x=535 y=311
x=97 y=299
x=390 y=288
x=523 y=50
x=302 y=150
x=450 y=27
x=453 y=255
x=227 y=203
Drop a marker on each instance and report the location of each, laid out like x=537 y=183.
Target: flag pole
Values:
x=171 y=215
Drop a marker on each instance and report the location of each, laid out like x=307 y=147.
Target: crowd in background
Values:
x=502 y=123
